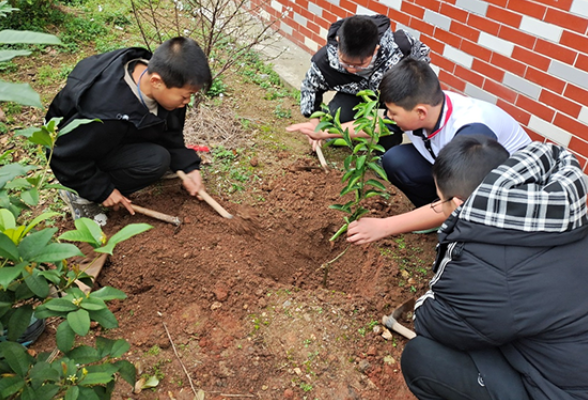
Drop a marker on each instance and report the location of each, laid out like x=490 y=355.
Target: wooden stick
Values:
x=156 y=214
x=321 y=157
x=206 y=197
x=180 y=360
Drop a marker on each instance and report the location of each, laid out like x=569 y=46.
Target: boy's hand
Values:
x=116 y=199
x=367 y=230
x=193 y=183
x=308 y=128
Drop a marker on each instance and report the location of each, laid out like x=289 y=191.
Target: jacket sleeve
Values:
x=181 y=157
x=311 y=91
x=418 y=50
x=74 y=160
x=468 y=306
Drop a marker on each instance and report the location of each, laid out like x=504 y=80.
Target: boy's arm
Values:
x=311 y=90
x=418 y=50
x=367 y=230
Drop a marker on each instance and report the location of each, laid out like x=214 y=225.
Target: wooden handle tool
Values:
x=321 y=157
x=206 y=197
x=157 y=215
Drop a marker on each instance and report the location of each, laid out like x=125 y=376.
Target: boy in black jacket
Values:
x=359 y=50
x=506 y=314
x=140 y=99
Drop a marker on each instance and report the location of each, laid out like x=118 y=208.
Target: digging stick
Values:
x=206 y=197
x=321 y=157
x=157 y=215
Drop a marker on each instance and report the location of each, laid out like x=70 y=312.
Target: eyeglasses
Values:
x=358 y=67
x=438 y=202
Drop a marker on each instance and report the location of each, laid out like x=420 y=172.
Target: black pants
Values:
x=433 y=371
x=346 y=102
x=410 y=172
x=135 y=166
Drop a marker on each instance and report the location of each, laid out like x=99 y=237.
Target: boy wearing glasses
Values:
x=431 y=118
x=359 y=50
x=505 y=316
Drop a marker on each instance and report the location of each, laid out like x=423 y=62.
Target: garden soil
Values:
x=249 y=310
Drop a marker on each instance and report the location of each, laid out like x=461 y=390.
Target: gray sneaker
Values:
x=82 y=208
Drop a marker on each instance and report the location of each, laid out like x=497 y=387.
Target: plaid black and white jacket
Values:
x=512 y=272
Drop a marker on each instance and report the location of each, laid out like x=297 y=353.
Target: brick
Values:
x=452 y=81
x=528 y=8
x=568 y=73
x=566 y=20
x=474 y=6
x=535 y=137
x=442 y=62
x=531 y=58
x=413 y=10
x=582 y=62
x=578 y=145
x=548 y=81
x=432 y=5
x=521 y=116
x=573 y=40
x=399 y=16
x=457 y=14
x=500 y=3
x=469 y=76
x=496 y=44
x=488 y=70
x=577 y=94
x=500 y=91
x=555 y=51
x=477 y=93
x=561 y=4
x=579 y=7
x=313 y=27
x=348 y=5
x=476 y=50
x=434 y=44
x=550 y=130
x=570 y=124
x=465 y=31
x=447 y=38
x=507 y=63
x=516 y=36
x=422 y=26
x=505 y=16
x=560 y=103
x=483 y=24
x=378 y=7
x=535 y=108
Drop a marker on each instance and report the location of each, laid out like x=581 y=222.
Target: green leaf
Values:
x=35 y=243
x=125 y=233
x=41 y=373
x=96 y=378
x=340 y=207
x=74 y=124
x=11 y=171
x=26 y=132
x=38 y=285
x=56 y=252
x=21 y=93
x=127 y=371
x=9 y=36
x=151 y=382
x=65 y=337
x=72 y=393
x=378 y=170
x=376 y=184
x=360 y=162
x=108 y=293
x=8 y=249
x=104 y=346
x=7 y=220
x=119 y=348
x=7 y=55
x=19 y=321
x=88 y=231
x=41 y=137
x=91 y=304
x=16 y=357
x=87 y=393
x=79 y=321
x=61 y=305
x=84 y=355
x=10 y=385
x=38 y=220
x=105 y=318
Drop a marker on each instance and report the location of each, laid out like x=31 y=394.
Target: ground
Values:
x=246 y=303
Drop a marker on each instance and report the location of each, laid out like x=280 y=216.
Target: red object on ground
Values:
x=195 y=147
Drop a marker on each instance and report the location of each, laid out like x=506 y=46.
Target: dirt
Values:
x=245 y=300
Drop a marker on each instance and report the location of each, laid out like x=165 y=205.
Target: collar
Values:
x=448 y=111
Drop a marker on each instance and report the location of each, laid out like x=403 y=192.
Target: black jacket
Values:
x=96 y=89
x=512 y=273
x=326 y=72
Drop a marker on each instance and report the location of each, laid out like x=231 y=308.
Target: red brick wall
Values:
x=528 y=57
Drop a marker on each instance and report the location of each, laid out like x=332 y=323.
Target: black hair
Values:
x=409 y=83
x=181 y=62
x=464 y=162
x=358 y=37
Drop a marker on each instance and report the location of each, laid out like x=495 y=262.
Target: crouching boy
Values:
x=506 y=314
x=140 y=99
